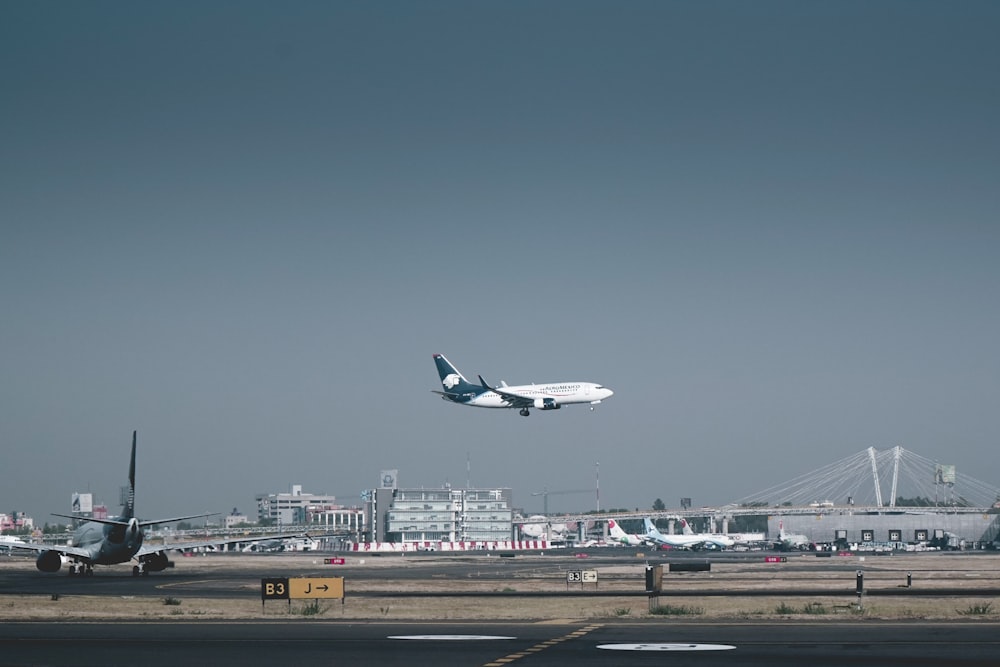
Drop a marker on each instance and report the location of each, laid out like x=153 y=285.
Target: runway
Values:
x=498 y=615
x=166 y=644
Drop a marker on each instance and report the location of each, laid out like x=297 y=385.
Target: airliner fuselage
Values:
x=559 y=393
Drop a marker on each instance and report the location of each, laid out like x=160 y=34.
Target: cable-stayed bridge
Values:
x=873 y=478
x=856 y=498
x=870 y=480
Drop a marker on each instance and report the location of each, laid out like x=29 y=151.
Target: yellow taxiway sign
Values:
x=316 y=588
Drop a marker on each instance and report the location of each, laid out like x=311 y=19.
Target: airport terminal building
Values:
x=443 y=514
x=450 y=515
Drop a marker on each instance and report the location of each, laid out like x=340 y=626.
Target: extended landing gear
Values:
x=81 y=570
x=524 y=412
x=139 y=571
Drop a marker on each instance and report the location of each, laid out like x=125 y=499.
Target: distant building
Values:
x=234 y=518
x=16 y=521
x=444 y=514
x=889 y=526
x=307 y=509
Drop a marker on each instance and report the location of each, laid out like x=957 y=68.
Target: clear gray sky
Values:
x=243 y=228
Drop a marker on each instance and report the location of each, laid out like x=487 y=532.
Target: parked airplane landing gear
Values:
x=139 y=571
x=81 y=569
x=524 y=412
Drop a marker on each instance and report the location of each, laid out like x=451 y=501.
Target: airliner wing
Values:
x=156 y=522
x=58 y=548
x=142 y=524
x=195 y=544
x=509 y=397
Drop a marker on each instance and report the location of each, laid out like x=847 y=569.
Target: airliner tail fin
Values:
x=128 y=504
x=451 y=379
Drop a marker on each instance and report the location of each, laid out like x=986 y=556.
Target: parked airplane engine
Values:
x=49 y=561
x=546 y=404
x=156 y=562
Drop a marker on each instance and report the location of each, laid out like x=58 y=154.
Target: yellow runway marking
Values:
x=541 y=646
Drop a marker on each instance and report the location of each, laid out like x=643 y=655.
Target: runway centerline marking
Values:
x=450 y=637
x=541 y=646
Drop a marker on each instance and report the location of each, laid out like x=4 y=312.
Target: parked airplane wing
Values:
x=142 y=524
x=58 y=548
x=195 y=544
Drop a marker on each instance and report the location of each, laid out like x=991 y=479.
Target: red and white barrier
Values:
x=505 y=545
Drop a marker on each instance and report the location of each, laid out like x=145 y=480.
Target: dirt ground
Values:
x=973 y=572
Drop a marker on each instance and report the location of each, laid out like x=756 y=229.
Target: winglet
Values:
x=483 y=382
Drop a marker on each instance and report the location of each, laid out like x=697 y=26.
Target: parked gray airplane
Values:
x=119 y=540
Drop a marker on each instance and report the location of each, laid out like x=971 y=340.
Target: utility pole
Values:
x=545 y=493
x=598 y=487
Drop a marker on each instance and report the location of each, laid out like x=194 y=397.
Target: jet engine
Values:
x=49 y=561
x=156 y=562
x=546 y=404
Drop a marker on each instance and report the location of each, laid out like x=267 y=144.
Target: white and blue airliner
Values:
x=549 y=396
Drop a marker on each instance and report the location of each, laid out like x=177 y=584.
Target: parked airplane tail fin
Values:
x=451 y=379
x=128 y=510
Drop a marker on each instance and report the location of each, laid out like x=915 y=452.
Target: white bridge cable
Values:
x=967 y=490
x=854 y=477
x=818 y=485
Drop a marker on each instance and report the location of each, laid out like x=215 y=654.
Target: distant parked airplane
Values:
x=620 y=536
x=689 y=540
x=118 y=540
x=790 y=542
x=550 y=396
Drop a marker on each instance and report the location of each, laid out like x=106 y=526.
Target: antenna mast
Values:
x=597 y=465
